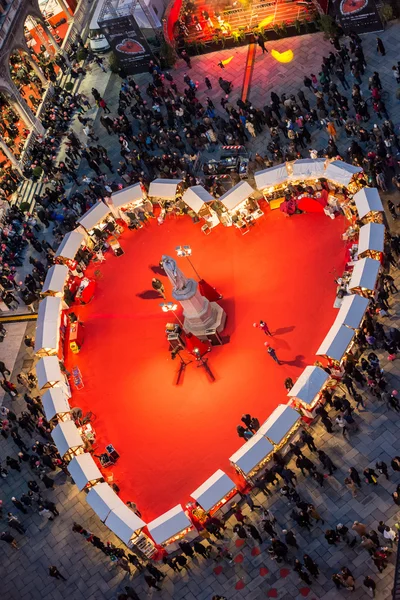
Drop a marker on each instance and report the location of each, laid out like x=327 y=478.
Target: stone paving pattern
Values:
x=91 y=575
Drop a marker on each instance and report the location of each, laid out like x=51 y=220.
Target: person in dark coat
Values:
x=380 y=48
x=354 y=476
x=156 y=573
x=254 y=533
x=311 y=565
x=151 y=582
x=186 y=548
x=18 y=504
x=290 y=538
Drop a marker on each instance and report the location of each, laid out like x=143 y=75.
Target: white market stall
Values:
x=97 y=217
x=70 y=245
x=48 y=373
x=341 y=172
x=308 y=387
x=84 y=471
x=252 y=456
x=199 y=201
x=336 y=343
x=165 y=189
x=102 y=499
x=281 y=426
x=371 y=241
x=124 y=523
x=272 y=183
x=352 y=311
x=171 y=527
x=47 y=335
x=307 y=168
x=129 y=197
x=56 y=280
x=240 y=207
x=55 y=404
x=364 y=276
x=369 y=205
x=215 y=493
x=68 y=440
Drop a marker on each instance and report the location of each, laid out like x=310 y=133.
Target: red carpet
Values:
x=172 y=438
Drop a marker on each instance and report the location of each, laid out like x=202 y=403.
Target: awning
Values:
x=83 y=469
x=336 y=342
x=164 y=188
x=66 y=437
x=236 y=195
x=213 y=490
x=341 y=172
x=196 y=196
x=56 y=279
x=352 y=311
x=124 y=523
x=55 y=402
x=372 y=237
x=133 y=193
x=365 y=274
x=279 y=423
x=70 y=245
x=47 y=333
x=270 y=177
x=94 y=215
x=309 y=384
x=367 y=201
x=307 y=168
x=102 y=499
x=169 y=524
x=48 y=372
x=252 y=453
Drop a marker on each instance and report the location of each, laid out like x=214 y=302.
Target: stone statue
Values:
x=175 y=275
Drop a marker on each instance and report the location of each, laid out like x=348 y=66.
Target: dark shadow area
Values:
x=297 y=362
x=157 y=270
x=283 y=330
x=149 y=295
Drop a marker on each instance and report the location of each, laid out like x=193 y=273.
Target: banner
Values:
x=360 y=16
x=129 y=44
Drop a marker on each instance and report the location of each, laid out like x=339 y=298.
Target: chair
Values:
x=206 y=229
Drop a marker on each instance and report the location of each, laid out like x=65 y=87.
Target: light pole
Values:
x=186 y=251
x=171 y=307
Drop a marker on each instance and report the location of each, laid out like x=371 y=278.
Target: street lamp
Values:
x=171 y=307
x=186 y=251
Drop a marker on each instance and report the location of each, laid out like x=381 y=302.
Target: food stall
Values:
x=341 y=173
x=97 y=222
x=281 y=427
x=47 y=335
x=55 y=404
x=84 y=471
x=364 y=277
x=337 y=342
x=369 y=205
x=171 y=527
x=162 y=190
x=127 y=526
x=352 y=311
x=48 y=373
x=306 y=168
x=371 y=241
x=71 y=243
x=127 y=199
x=239 y=208
x=216 y=492
x=307 y=389
x=102 y=499
x=272 y=183
x=68 y=440
x=252 y=457
x=199 y=201
x=56 y=280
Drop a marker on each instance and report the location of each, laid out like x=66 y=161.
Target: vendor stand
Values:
x=215 y=493
x=371 y=241
x=126 y=200
x=341 y=173
x=127 y=526
x=48 y=373
x=272 y=183
x=369 y=205
x=306 y=168
x=364 y=277
x=68 y=440
x=240 y=208
x=56 y=280
x=252 y=457
x=167 y=193
x=47 y=335
x=74 y=250
x=352 y=311
x=84 y=471
x=100 y=226
x=55 y=405
x=199 y=202
x=306 y=392
x=281 y=427
x=102 y=499
x=171 y=527
x=336 y=343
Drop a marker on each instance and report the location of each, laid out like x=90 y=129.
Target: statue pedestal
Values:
x=199 y=313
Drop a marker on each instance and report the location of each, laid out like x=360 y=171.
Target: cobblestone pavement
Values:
x=252 y=575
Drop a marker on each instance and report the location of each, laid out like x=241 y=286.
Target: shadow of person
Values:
x=298 y=361
x=283 y=330
x=149 y=295
x=157 y=270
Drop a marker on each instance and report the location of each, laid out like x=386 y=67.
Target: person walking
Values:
x=255 y=534
x=15 y=523
x=158 y=286
x=54 y=572
x=6 y=536
x=200 y=549
x=186 y=548
x=261 y=42
x=18 y=505
x=371 y=476
x=272 y=354
x=308 y=439
x=327 y=423
x=152 y=569
x=354 y=476
x=380 y=48
x=304 y=576
x=359 y=528
x=264 y=327
x=370 y=584
x=382 y=467
x=311 y=565
x=151 y=582
x=290 y=538
x=326 y=461
x=130 y=593
x=331 y=129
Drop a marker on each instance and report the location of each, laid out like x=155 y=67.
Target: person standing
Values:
x=6 y=536
x=261 y=42
x=354 y=476
x=382 y=467
x=370 y=585
x=151 y=582
x=311 y=565
x=159 y=575
x=54 y=572
x=308 y=439
x=158 y=286
x=255 y=534
x=290 y=538
x=273 y=355
x=380 y=48
x=298 y=567
x=19 y=505
x=264 y=327
x=15 y=523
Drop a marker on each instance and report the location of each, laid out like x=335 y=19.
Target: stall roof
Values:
x=94 y=215
x=372 y=237
x=365 y=274
x=127 y=195
x=279 y=423
x=164 y=188
x=55 y=279
x=70 y=245
x=102 y=499
x=196 y=196
x=341 y=172
x=367 y=200
x=48 y=371
x=308 y=167
x=124 y=523
x=213 y=490
x=47 y=333
x=270 y=177
x=309 y=384
x=239 y=193
x=169 y=524
x=352 y=311
x=251 y=453
x=336 y=342
x=66 y=436
x=83 y=469
x=55 y=402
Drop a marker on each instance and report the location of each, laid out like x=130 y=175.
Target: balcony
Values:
x=7 y=17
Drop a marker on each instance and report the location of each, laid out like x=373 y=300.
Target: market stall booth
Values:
x=252 y=457
x=341 y=173
x=47 y=335
x=75 y=250
x=272 y=183
x=364 y=277
x=126 y=200
x=171 y=527
x=55 y=405
x=199 y=204
x=102 y=499
x=371 y=241
x=306 y=168
x=215 y=493
x=352 y=311
x=127 y=526
x=306 y=392
x=49 y=375
x=68 y=440
x=337 y=342
x=84 y=471
x=239 y=208
x=281 y=427
x=99 y=224
x=369 y=205
x=56 y=280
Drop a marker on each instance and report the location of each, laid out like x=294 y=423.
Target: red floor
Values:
x=172 y=438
